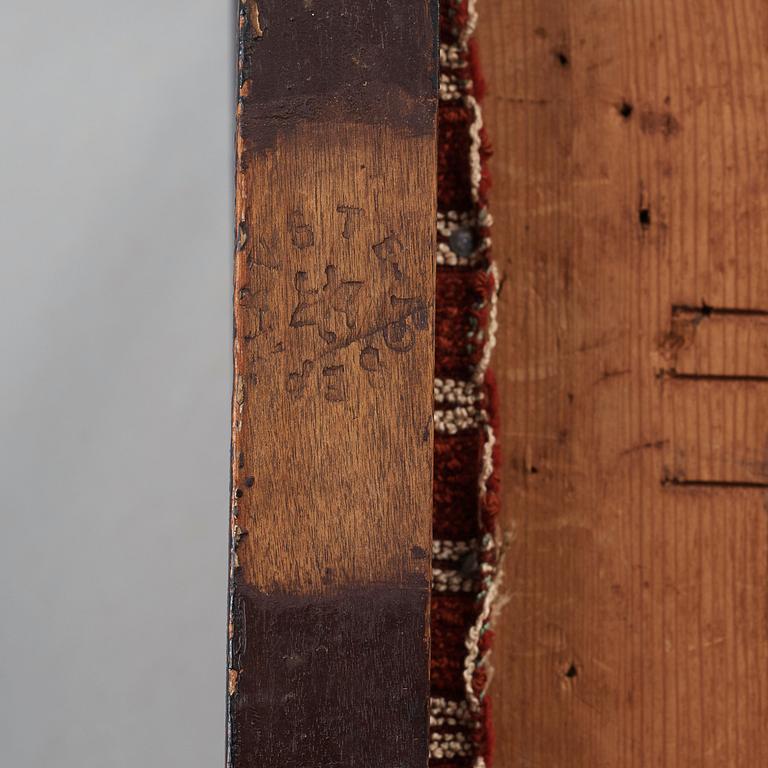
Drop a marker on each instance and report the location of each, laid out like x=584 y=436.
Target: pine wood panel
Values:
x=332 y=408
x=631 y=173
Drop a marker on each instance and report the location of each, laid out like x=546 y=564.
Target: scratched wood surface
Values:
x=332 y=408
x=631 y=210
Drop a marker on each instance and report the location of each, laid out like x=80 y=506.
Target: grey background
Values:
x=115 y=272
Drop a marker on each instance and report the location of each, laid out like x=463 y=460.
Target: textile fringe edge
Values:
x=470 y=405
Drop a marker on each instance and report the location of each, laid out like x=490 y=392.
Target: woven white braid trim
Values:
x=451 y=422
x=456 y=392
x=492 y=330
x=448 y=580
x=453 y=56
x=443 y=712
x=447 y=745
x=452 y=551
x=475 y=162
x=491 y=581
x=453 y=87
x=449 y=221
x=446 y=257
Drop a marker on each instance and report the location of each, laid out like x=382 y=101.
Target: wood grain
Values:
x=631 y=170
x=332 y=409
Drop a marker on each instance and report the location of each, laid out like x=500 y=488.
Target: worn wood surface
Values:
x=332 y=410
x=631 y=209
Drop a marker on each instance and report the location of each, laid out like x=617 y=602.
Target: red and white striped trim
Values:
x=453 y=58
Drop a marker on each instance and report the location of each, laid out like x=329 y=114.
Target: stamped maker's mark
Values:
x=317 y=306
x=334 y=308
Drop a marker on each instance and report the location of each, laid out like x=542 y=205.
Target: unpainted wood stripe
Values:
x=334 y=384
